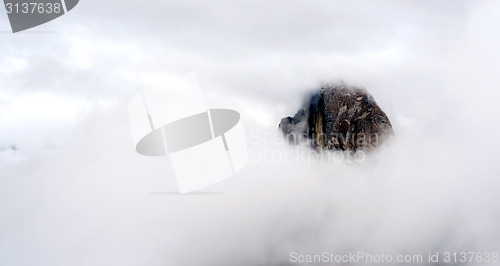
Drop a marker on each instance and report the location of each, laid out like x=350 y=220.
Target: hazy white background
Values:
x=74 y=192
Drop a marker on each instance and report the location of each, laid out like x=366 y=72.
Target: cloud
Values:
x=91 y=200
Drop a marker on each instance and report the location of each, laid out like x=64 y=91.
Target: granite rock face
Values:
x=339 y=117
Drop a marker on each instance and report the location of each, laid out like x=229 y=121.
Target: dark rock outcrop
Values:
x=339 y=117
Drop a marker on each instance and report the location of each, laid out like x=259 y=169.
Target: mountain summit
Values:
x=339 y=117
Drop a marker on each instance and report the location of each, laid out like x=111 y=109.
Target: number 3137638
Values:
x=33 y=8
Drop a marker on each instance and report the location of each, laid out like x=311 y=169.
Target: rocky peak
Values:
x=339 y=117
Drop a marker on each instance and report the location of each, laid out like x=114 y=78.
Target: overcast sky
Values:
x=74 y=192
